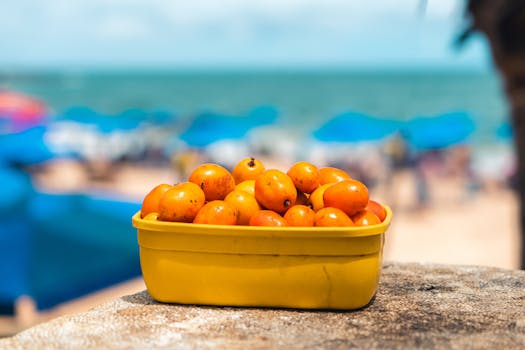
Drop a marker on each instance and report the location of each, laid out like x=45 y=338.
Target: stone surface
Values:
x=417 y=306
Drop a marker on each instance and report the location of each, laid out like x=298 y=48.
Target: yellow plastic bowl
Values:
x=292 y=267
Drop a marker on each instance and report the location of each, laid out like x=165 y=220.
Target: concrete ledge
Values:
x=429 y=306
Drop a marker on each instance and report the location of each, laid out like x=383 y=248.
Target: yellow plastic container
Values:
x=292 y=267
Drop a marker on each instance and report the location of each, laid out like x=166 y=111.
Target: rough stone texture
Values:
x=417 y=306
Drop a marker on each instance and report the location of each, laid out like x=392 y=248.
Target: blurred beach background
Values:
x=100 y=102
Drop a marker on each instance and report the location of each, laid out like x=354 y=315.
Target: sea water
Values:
x=304 y=99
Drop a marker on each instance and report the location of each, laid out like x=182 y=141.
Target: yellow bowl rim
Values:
x=239 y=230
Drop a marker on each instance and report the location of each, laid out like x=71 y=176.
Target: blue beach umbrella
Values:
x=208 y=128
x=127 y=120
x=355 y=127
x=438 y=132
x=81 y=115
x=80 y=132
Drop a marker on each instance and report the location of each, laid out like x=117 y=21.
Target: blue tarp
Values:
x=356 y=127
x=16 y=189
x=55 y=248
x=80 y=244
x=14 y=237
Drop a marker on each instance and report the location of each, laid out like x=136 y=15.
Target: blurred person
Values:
x=460 y=166
x=397 y=152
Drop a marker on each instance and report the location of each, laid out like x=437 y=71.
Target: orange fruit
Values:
x=245 y=203
x=300 y=215
x=217 y=212
x=247 y=186
x=152 y=216
x=316 y=198
x=267 y=218
x=365 y=218
x=150 y=204
x=330 y=174
x=377 y=209
x=215 y=181
x=331 y=217
x=275 y=190
x=351 y=196
x=181 y=203
x=305 y=176
x=247 y=169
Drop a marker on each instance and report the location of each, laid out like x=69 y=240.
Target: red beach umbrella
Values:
x=19 y=111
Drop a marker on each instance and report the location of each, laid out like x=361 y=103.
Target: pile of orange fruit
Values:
x=252 y=195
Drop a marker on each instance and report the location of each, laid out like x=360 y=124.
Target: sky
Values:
x=233 y=34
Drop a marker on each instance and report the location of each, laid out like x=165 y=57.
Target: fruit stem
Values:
x=251 y=163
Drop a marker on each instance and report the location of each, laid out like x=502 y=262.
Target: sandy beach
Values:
x=480 y=230
x=455 y=228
